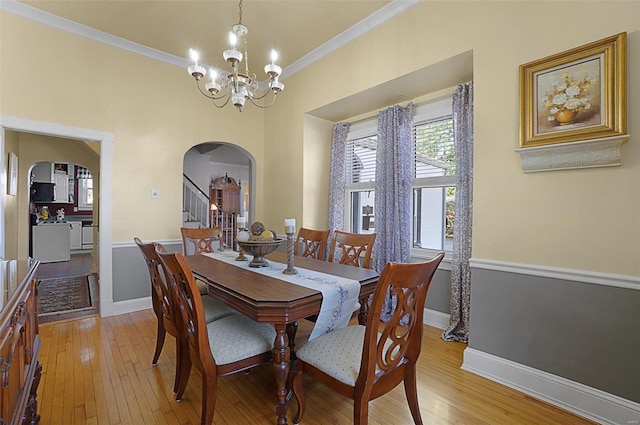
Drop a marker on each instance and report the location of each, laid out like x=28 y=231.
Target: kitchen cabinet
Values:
x=61 y=194
x=56 y=173
x=75 y=235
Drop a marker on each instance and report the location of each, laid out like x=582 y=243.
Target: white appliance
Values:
x=51 y=242
x=87 y=234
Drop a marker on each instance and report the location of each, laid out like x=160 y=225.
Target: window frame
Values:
x=436 y=109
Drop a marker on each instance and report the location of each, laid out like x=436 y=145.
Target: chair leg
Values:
x=411 y=390
x=179 y=365
x=183 y=370
x=159 y=342
x=209 y=389
x=360 y=411
x=298 y=390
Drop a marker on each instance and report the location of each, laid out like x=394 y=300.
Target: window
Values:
x=85 y=189
x=434 y=184
x=434 y=192
x=360 y=158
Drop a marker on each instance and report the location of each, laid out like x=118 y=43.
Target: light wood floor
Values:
x=98 y=371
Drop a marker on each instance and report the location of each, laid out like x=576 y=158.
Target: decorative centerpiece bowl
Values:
x=259 y=249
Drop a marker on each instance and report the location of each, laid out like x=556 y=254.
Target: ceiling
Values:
x=295 y=28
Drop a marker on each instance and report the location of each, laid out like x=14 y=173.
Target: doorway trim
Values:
x=106 y=141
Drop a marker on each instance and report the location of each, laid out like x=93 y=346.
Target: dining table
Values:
x=278 y=302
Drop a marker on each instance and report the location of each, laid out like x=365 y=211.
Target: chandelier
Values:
x=238 y=85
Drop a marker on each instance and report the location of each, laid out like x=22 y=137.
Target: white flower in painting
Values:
x=586 y=107
x=572 y=104
x=551 y=118
x=572 y=91
x=553 y=110
x=559 y=99
x=561 y=86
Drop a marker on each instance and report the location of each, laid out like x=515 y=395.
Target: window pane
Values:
x=361 y=160
x=362 y=219
x=435 y=154
x=85 y=193
x=433 y=217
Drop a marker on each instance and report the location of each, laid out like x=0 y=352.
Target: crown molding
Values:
x=16 y=8
x=377 y=18
x=367 y=24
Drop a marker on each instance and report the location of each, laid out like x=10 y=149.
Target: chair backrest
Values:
x=198 y=241
x=350 y=247
x=161 y=295
x=397 y=343
x=190 y=314
x=311 y=243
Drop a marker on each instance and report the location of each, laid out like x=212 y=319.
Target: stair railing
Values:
x=195 y=202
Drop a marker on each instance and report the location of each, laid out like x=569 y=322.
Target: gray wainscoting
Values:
x=130 y=274
x=439 y=292
x=585 y=332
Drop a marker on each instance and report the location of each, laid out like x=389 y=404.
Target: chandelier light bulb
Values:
x=274 y=56
x=195 y=56
x=233 y=40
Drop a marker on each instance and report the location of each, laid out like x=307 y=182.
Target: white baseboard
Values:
x=436 y=319
x=580 y=399
x=129 y=306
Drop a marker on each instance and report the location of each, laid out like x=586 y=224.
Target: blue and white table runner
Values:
x=339 y=295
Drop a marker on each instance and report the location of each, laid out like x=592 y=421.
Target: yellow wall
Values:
x=152 y=108
x=580 y=219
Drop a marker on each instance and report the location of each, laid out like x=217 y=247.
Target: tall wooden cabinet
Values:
x=224 y=192
x=20 y=369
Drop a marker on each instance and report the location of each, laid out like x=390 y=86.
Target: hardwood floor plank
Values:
x=98 y=371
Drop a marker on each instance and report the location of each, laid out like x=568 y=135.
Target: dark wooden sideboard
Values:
x=19 y=343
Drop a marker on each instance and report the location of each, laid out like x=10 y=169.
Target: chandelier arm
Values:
x=264 y=106
x=227 y=95
x=209 y=95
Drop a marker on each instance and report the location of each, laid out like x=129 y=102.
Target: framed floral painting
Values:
x=575 y=95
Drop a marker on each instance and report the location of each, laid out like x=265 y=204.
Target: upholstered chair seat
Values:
x=237 y=337
x=215 y=310
x=334 y=354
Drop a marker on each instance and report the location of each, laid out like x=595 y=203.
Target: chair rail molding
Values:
x=603 y=152
x=584 y=276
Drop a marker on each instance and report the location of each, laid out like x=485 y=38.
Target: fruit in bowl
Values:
x=261 y=242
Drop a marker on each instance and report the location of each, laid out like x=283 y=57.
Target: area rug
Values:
x=64 y=295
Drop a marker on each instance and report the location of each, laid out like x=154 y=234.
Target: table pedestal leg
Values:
x=364 y=310
x=281 y=358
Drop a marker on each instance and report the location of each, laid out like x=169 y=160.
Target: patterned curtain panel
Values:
x=337 y=177
x=394 y=174
x=460 y=270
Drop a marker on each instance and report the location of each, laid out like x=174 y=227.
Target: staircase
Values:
x=195 y=205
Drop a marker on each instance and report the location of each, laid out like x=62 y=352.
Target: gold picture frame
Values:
x=576 y=95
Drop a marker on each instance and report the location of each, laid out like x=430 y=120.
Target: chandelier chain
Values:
x=240 y=8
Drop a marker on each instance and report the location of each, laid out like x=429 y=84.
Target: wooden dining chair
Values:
x=198 y=241
x=352 y=248
x=363 y=363
x=201 y=241
x=163 y=304
x=219 y=348
x=311 y=243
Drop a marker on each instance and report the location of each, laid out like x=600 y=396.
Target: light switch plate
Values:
x=155 y=194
